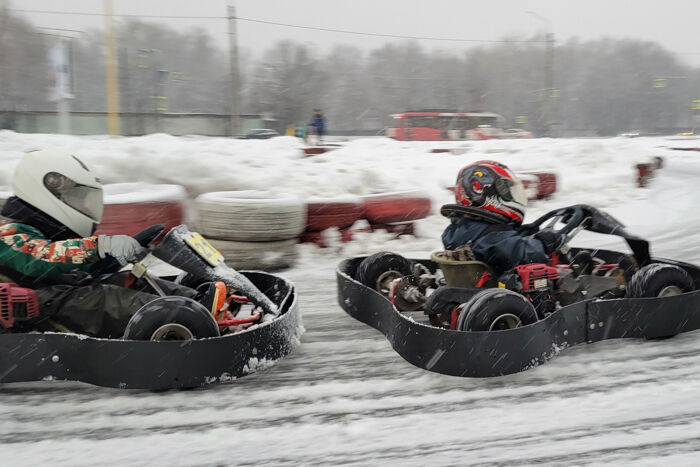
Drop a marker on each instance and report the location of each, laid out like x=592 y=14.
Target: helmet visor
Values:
x=511 y=190
x=84 y=199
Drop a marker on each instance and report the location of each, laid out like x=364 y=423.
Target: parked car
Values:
x=517 y=133
x=260 y=133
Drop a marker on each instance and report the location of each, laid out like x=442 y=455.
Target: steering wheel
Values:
x=571 y=216
x=110 y=265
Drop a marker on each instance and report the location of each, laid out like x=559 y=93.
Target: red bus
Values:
x=440 y=126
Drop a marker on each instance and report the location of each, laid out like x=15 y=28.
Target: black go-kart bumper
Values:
x=495 y=353
x=157 y=365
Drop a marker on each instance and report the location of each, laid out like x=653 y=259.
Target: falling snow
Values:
x=344 y=396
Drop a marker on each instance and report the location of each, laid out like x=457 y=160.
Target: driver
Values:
x=49 y=239
x=490 y=207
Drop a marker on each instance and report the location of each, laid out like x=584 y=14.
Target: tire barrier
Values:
x=645 y=171
x=320 y=240
x=315 y=150
x=322 y=214
x=250 y=216
x=396 y=207
x=545 y=183
x=252 y=229
x=269 y=256
x=397 y=228
x=132 y=207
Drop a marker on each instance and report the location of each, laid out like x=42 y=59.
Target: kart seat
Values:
x=460 y=272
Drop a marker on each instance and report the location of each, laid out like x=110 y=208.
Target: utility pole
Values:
x=549 y=82
x=111 y=71
x=548 y=74
x=235 y=77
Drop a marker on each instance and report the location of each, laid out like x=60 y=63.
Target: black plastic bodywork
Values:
x=483 y=354
x=157 y=365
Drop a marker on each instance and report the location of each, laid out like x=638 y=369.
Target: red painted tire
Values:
x=132 y=207
x=548 y=184
x=644 y=174
x=538 y=185
x=323 y=214
x=402 y=206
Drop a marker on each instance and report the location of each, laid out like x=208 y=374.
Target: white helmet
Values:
x=59 y=184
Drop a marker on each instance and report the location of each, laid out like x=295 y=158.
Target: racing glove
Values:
x=121 y=247
x=551 y=240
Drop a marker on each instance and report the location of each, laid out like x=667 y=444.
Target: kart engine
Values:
x=17 y=304
x=535 y=282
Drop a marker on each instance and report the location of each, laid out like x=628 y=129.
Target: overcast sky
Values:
x=671 y=23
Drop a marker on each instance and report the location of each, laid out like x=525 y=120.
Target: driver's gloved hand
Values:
x=121 y=247
x=551 y=240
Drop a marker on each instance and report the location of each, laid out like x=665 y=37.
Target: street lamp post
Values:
x=548 y=72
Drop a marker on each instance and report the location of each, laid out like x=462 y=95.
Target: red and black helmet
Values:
x=493 y=187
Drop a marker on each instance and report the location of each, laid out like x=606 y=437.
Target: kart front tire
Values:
x=496 y=310
x=171 y=318
x=660 y=280
x=378 y=270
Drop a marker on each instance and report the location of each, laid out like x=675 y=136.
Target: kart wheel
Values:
x=496 y=310
x=660 y=280
x=171 y=318
x=379 y=270
x=406 y=294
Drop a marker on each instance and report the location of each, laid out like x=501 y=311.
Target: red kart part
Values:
x=131 y=218
x=536 y=276
x=324 y=215
x=17 y=304
x=236 y=322
x=389 y=208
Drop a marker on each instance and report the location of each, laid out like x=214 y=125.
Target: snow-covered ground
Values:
x=345 y=397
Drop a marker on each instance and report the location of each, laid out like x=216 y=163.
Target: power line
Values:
x=78 y=13
x=357 y=33
x=287 y=25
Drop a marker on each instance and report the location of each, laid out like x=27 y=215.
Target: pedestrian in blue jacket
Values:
x=490 y=207
x=318 y=123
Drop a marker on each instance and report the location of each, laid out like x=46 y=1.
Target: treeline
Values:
x=604 y=86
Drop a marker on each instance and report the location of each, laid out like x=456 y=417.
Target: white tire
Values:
x=257 y=255
x=254 y=216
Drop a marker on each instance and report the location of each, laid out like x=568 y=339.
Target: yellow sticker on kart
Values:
x=203 y=248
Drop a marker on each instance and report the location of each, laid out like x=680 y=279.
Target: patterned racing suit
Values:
x=69 y=300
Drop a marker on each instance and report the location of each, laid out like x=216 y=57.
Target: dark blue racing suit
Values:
x=498 y=245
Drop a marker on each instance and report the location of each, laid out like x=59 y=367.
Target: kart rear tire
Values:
x=171 y=318
x=373 y=270
x=660 y=280
x=496 y=310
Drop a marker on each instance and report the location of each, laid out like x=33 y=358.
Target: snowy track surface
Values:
x=344 y=397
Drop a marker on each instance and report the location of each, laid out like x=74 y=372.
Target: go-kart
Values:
x=172 y=341
x=454 y=315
